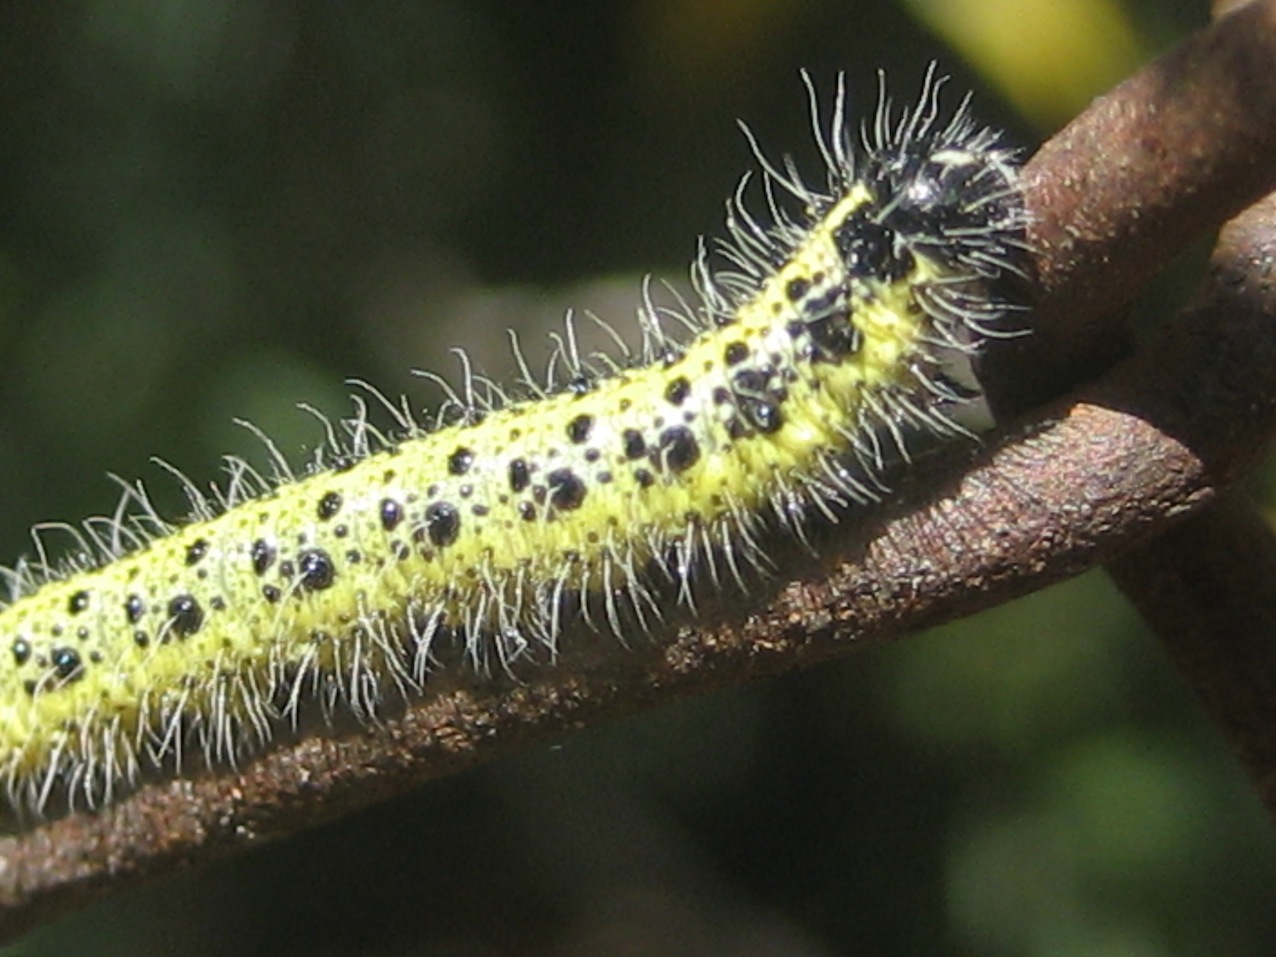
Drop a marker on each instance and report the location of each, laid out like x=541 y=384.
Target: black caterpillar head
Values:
x=948 y=200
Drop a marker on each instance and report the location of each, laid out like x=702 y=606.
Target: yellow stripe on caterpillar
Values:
x=816 y=351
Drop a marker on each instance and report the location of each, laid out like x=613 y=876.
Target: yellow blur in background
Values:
x=1047 y=57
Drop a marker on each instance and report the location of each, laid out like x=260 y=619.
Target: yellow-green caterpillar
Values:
x=822 y=342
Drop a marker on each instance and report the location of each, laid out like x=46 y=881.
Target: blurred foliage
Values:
x=1045 y=57
x=212 y=210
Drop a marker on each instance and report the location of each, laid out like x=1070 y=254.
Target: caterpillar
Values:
x=818 y=346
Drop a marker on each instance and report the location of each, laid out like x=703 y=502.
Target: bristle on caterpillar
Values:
x=821 y=342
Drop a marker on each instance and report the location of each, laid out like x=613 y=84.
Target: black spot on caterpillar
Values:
x=818 y=346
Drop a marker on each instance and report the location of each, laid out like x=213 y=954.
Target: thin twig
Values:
x=1163 y=159
x=1208 y=587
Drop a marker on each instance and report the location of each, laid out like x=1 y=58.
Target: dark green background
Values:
x=217 y=209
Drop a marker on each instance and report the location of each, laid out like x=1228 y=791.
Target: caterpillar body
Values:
x=817 y=347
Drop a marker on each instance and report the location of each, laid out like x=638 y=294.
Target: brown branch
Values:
x=1151 y=444
x=1163 y=159
x=1208 y=587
